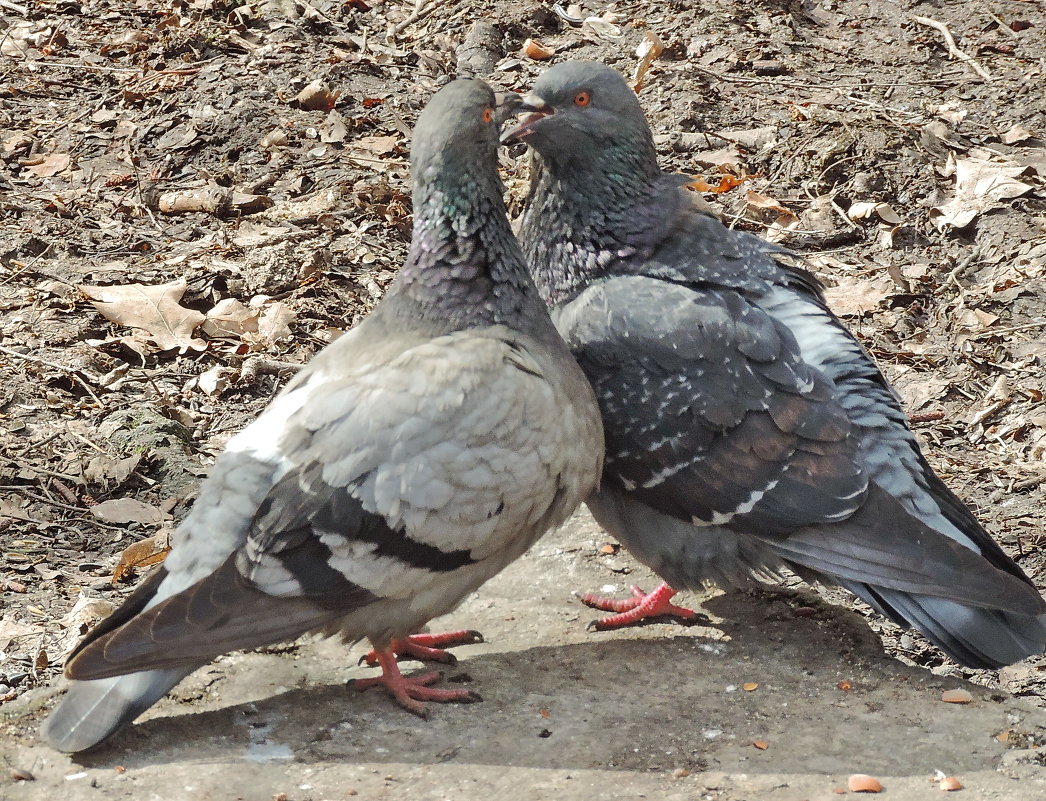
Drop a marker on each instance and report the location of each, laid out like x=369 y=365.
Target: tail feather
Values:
x=219 y=613
x=973 y=636
x=92 y=711
x=146 y=647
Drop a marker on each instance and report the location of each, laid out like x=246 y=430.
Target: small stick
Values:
x=73 y=371
x=925 y=417
x=419 y=13
x=257 y=365
x=995 y=331
x=953 y=49
x=14 y=7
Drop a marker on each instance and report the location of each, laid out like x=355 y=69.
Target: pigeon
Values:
x=406 y=464
x=747 y=430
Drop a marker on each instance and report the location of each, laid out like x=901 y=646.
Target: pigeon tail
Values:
x=973 y=636
x=92 y=711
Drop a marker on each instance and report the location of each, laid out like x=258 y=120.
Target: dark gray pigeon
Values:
x=409 y=462
x=746 y=429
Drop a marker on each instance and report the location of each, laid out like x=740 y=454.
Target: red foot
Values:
x=410 y=692
x=640 y=606
x=426 y=647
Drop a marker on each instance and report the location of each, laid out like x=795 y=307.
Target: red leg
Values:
x=427 y=647
x=641 y=605
x=410 y=692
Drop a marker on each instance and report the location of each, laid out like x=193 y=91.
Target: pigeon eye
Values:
x=488 y=114
x=582 y=98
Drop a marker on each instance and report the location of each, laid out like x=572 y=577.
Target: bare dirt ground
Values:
x=239 y=216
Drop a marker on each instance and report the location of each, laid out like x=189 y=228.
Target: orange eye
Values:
x=582 y=98
x=488 y=115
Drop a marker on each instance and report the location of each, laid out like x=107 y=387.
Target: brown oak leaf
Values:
x=155 y=309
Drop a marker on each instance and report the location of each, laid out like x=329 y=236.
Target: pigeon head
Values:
x=456 y=132
x=583 y=113
x=464 y=266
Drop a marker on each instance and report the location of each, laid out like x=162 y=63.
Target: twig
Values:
x=258 y=365
x=953 y=49
x=14 y=7
x=308 y=8
x=73 y=371
x=843 y=215
x=27 y=265
x=925 y=417
x=38 y=360
x=86 y=441
x=991 y=332
x=419 y=13
x=49 y=502
x=1002 y=25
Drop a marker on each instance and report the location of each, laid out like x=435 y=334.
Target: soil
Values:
x=187 y=145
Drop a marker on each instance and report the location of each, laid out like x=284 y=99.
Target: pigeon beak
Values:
x=536 y=110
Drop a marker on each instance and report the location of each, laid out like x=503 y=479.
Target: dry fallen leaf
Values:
x=50 y=165
x=84 y=615
x=216 y=380
x=334 y=129
x=780 y=219
x=21 y=775
x=855 y=297
x=1018 y=133
x=126 y=510
x=230 y=318
x=154 y=309
x=980 y=185
x=110 y=472
x=864 y=209
x=274 y=324
x=649 y=49
x=378 y=145
x=726 y=183
x=143 y=553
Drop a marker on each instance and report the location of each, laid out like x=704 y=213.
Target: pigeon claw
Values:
x=411 y=692
x=639 y=607
x=427 y=647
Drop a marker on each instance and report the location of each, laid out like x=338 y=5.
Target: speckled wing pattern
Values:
x=713 y=416
x=710 y=412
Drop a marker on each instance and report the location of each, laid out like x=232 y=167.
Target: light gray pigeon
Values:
x=409 y=462
x=746 y=428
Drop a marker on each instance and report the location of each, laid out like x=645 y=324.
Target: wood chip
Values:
x=317 y=96
x=863 y=783
x=537 y=51
x=959 y=696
